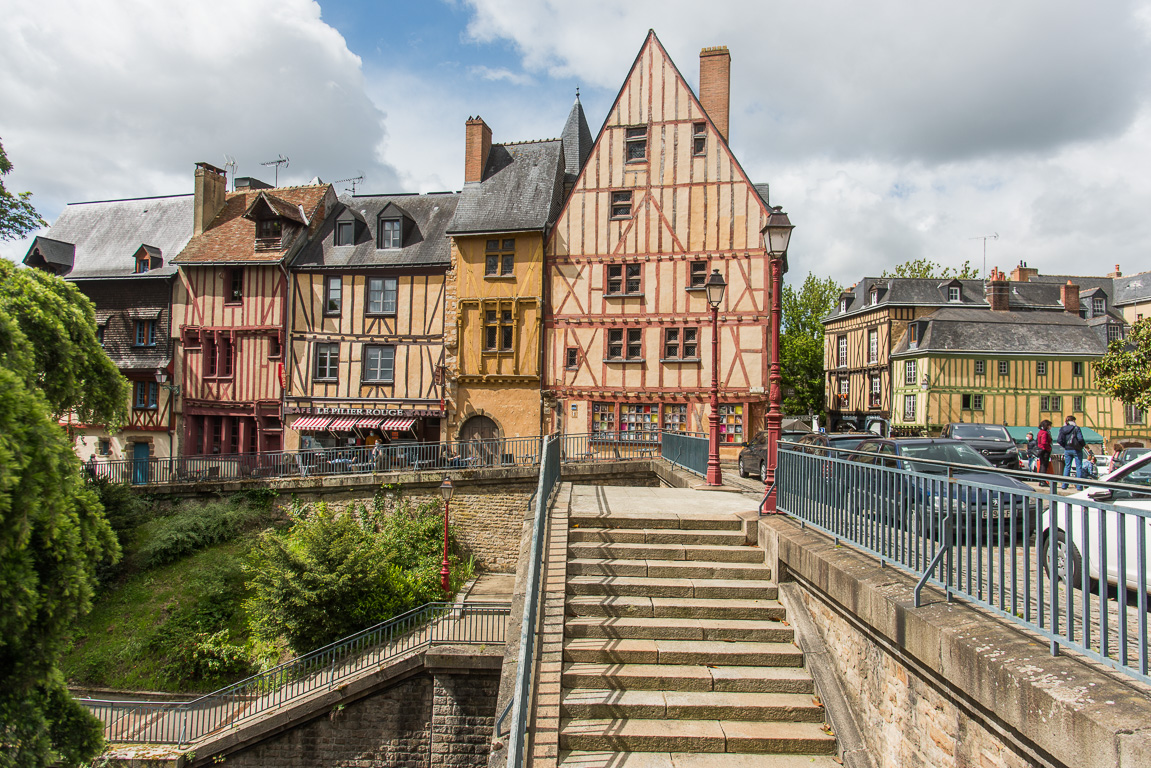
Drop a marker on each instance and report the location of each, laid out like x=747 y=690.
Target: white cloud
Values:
x=498 y=74
x=120 y=99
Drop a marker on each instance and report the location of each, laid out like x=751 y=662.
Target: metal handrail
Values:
x=1064 y=569
x=694 y=444
x=187 y=721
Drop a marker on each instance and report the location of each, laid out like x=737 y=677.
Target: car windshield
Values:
x=1131 y=453
x=954 y=453
x=979 y=432
x=847 y=443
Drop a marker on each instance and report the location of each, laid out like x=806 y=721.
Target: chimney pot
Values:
x=478 y=144
x=998 y=296
x=715 y=86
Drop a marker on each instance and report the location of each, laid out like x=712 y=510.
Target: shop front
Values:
x=325 y=427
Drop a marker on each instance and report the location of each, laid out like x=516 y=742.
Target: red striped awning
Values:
x=369 y=423
x=343 y=424
x=311 y=423
x=399 y=425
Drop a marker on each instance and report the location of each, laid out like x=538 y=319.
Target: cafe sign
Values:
x=434 y=413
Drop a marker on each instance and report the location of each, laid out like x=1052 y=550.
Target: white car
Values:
x=1070 y=555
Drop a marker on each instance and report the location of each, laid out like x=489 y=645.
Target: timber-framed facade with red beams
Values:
x=230 y=312
x=659 y=205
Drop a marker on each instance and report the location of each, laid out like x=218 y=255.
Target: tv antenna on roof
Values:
x=357 y=180
x=230 y=169
x=281 y=161
x=985 y=238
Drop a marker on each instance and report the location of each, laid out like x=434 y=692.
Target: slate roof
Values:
x=107 y=234
x=426 y=244
x=1132 y=288
x=764 y=191
x=521 y=190
x=980 y=331
x=231 y=237
x=577 y=141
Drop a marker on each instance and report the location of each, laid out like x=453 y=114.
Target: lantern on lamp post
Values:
x=776 y=236
x=446 y=490
x=714 y=287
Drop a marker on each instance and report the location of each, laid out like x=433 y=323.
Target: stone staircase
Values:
x=676 y=649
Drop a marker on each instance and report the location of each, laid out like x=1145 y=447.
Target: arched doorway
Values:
x=480 y=441
x=479 y=428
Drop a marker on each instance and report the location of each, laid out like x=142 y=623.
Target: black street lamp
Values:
x=446 y=490
x=715 y=286
x=776 y=236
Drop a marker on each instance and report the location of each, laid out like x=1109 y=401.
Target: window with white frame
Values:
x=1098 y=306
x=1114 y=332
x=874 y=396
x=909 y=407
x=327 y=362
x=841 y=351
x=391 y=233
x=909 y=377
x=844 y=393
x=379 y=363
x=382 y=292
x=873 y=346
x=953 y=293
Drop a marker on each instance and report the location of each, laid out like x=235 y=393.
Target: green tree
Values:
x=1125 y=371
x=801 y=343
x=17 y=216
x=926 y=268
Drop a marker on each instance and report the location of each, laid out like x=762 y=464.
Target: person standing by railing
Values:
x=1071 y=440
x=1043 y=444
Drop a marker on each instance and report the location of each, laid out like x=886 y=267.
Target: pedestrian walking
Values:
x=1032 y=452
x=1071 y=440
x=1043 y=445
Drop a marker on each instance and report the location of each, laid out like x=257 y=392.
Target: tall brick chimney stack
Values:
x=211 y=189
x=998 y=295
x=715 y=85
x=1069 y=295
x=1023 y=273
x=478 y=145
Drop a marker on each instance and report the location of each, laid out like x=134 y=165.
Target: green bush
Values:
x=193 y=526
x=208 y=658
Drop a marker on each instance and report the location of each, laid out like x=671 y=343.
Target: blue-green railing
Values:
x=686 y=449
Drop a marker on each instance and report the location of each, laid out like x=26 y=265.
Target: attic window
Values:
x=345 y=232
x=953 y=293
x=1098 y=306
x=143 y=263
x=873 y=297
x=636 y=144
x=843 y=305
x=269 y=233
x=698 y=138
x=391 y=233
x=913 y=336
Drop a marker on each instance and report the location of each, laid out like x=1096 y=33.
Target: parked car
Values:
x=1069 y=553
x=753 y=457
x=992 y=441
x=961 y=497
x=1127 y=455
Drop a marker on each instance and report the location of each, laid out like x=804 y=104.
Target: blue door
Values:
x=140 y=454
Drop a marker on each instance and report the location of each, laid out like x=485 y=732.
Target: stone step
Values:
x=693 y=521
x=671 y=587
x=581 y=759
x=726 y=630
x=711 y=736
x=592 y=703
x=710 y=553
x=789 y=678
x=657 y=536
x=716 y=653
x=674 y=607
x=675 y=569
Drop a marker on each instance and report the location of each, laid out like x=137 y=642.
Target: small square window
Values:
x=636 y=144
x=698 y=138
x=333 y=293
x=1041 y=368
x=980 y=367
x=274 y=347
x=572 y=358
x=344 y=232
x=698 y=274
x=1077 y=368
x=621 y=205
x=953 y=293
x=1004 y=368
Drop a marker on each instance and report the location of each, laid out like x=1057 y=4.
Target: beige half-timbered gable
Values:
x=366 y=341
x=230 y=308
x=659 y=204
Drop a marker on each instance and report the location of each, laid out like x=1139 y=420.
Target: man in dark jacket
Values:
x=1032 y=452
x=1071 y=439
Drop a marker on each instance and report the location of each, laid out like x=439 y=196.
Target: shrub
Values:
x=202 y=657
x=193 y=526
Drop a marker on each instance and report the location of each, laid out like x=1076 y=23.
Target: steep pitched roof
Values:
x=231 y=237
x=427 y=245
x=520 y=190
x=577 y=140
x=980 y=331
x=1132 y=288
x=106 y=235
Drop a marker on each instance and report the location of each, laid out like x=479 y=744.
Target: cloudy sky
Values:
x=888 y=130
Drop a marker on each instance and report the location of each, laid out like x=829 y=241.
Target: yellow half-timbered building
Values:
x=367 y=306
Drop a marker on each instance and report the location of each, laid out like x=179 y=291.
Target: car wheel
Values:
x=763 y=473
x=742 y=469
x=1067 y=558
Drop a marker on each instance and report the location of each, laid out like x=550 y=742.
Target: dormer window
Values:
x=269 y=233
x=843 y=305
x=391 y=233
x=147 y=258
x=345 y=232
x=1098 y=306
x=953 y=293
x=913 y=336
x=143 y=264
x=873 y=296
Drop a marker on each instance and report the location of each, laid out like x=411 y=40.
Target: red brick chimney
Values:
x=715 y=85
x=1069 y=295
x=478 y=145
x=211 y=189
x=998 y=295
x=1023 y=273
x=1116 y=273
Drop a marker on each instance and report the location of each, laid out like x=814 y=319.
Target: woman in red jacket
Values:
x=1043 y=444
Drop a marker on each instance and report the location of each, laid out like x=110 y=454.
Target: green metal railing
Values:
x=686 y=449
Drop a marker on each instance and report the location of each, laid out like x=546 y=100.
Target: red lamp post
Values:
x=446 y=490
x=776 y=235
x=714 y=287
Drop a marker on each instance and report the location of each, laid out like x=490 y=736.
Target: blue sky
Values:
x=888 y=130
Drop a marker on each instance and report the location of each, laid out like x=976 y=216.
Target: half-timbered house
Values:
x=230 y=308
x=660 y=203
x=119 y=254
x=366 y=331
x=494 y=331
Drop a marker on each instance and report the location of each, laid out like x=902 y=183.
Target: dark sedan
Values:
x=1127 y=455
x=992 y=441
x=753 y=457
x=938 y=487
